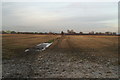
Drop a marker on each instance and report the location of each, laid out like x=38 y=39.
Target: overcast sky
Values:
x=60 y=16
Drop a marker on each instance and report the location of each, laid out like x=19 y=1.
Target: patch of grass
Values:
x=50 y=41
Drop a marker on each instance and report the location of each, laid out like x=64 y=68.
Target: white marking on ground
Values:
x=40 y=47
x=26 y=50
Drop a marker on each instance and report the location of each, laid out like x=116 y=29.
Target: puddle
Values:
x=39 y=47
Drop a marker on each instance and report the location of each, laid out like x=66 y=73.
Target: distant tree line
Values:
x=14 y=32
x=72 y=32
x=69 y=32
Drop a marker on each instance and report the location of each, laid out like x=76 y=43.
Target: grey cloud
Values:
x=78 y=16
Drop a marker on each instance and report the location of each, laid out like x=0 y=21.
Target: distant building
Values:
x=92 y=32
x=99 y=33
x=70 y=32
x=108 y=33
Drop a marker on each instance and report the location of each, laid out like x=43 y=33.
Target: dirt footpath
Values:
x=68 y=57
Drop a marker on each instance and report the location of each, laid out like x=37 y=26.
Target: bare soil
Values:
x=69 y=57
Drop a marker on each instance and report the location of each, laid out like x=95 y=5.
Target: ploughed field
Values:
x=70 y=56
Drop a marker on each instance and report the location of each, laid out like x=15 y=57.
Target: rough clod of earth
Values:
x=68 y=57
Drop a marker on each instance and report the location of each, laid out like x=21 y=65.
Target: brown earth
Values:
x=69 y=57
x=13 y=45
